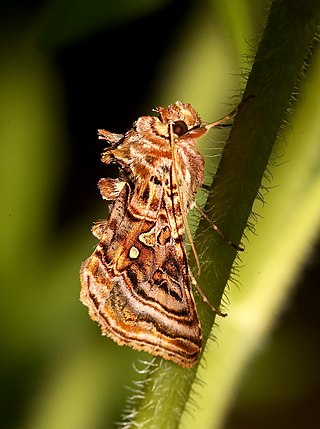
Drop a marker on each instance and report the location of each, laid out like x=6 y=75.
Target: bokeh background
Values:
x=67 y=69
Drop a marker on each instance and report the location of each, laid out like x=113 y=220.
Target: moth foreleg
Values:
x=203 y=296
x=214 y=226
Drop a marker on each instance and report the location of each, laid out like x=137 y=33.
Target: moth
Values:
x=137 y=283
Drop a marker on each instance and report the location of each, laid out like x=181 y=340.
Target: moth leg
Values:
x=205 y=187
x=110 y=188
x=203 y=296
x=214 y=226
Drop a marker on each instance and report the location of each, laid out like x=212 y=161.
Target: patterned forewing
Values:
x=136 y=282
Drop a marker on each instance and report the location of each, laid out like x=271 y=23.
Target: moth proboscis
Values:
x=136 y=283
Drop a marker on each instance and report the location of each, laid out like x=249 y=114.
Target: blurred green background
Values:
x=67 y=69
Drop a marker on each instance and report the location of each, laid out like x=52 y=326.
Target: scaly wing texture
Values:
x=136 y=283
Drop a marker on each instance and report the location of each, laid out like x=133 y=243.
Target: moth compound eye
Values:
x=179 y=128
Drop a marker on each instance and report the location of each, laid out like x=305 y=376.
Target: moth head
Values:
x=182 y=116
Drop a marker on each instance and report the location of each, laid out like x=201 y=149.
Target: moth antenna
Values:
x=231 y=115
x=184 y=216
x=214 y=226
x=203 y=296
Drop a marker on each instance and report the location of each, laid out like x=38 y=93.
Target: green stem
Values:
x=289 y=33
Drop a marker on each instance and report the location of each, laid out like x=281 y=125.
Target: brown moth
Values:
x=136 y=283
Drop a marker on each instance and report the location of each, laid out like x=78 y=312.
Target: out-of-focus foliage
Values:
x=70 y=68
